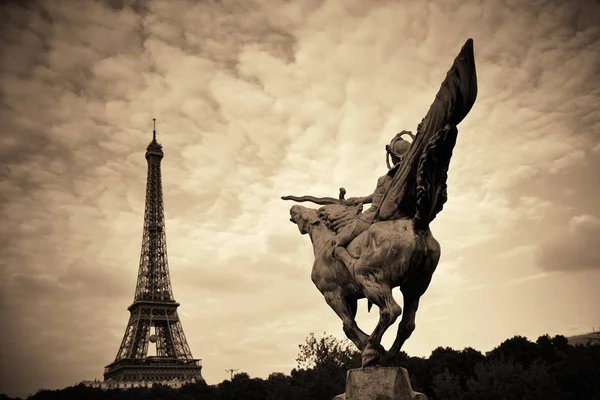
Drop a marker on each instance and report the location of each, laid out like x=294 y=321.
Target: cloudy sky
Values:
x=258 y=99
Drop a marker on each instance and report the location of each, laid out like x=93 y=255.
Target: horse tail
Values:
x=432 y=174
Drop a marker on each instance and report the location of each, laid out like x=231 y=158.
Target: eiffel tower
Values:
x=154 y=317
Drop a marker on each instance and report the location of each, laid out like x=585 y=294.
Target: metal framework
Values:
x=153 y=305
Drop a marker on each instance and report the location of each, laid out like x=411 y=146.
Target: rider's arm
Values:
x=367 y=199
x=357 y=200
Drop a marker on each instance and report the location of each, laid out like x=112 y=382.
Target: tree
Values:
x=242 y=387
x=459 y=364
x=198 y=390
x=322 y=366
x=281 y=386
x=508 y=380
x=552 y=350
x=578 y=373
x=5 y=397
x=327 y=352
x=446 y=386
x=517 y=349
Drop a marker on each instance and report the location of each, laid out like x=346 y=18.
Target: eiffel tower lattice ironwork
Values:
x=154 y=306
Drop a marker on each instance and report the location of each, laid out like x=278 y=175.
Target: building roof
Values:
x=585 y=339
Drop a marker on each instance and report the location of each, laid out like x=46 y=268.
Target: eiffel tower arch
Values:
x=154 y=306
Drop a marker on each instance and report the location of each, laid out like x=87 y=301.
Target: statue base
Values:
x=379 y=383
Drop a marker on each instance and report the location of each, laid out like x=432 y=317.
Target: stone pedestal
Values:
x=379 y=383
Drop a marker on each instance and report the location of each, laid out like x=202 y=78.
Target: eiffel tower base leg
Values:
x=154 y=369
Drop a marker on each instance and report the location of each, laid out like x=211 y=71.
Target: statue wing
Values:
x=418 y=187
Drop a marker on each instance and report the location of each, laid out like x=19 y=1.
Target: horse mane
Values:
x=315 y=217
x=326 y=213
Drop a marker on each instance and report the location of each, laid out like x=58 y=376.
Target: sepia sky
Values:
x=258 y=99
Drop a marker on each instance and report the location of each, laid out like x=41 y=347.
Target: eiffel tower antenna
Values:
x=154 y=307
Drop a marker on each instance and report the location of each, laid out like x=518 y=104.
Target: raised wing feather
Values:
x=452 y=103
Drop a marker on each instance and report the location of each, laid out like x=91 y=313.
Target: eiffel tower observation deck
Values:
x=154 y=320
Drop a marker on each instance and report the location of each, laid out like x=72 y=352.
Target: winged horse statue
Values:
x=367 y=254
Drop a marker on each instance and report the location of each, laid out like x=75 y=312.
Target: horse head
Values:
x=304 y=217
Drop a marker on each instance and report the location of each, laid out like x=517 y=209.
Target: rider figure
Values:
x=348 y=230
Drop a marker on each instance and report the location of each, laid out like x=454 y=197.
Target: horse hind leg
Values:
x=412 y=293
x=346 y=310
x=389 y=311
x=406 y=325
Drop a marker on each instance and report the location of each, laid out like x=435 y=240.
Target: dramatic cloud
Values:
x=577 y=248
x=258 y=99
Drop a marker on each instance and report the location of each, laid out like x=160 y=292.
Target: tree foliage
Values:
x=322 y=366
x=326 y=352
x=518 y=369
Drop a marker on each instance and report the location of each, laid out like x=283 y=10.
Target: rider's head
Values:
x=398 y=147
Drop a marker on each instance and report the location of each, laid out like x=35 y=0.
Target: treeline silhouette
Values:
x=519 y=369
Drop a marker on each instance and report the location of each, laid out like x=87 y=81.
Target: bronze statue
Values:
x=365 y=255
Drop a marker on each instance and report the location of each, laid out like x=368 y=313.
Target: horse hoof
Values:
x=372 y=356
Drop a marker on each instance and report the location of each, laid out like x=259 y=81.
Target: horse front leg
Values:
x=346 y=310
x=342 y=254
